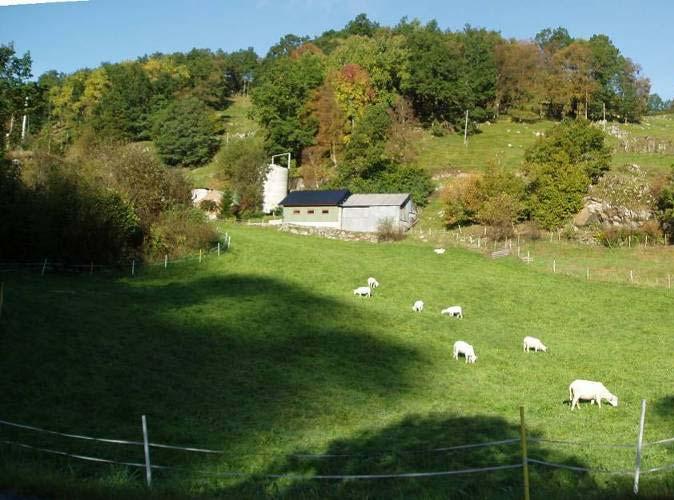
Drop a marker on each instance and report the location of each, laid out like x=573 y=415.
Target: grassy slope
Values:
x=237 y=121
x=266 y=351
x=438 y=154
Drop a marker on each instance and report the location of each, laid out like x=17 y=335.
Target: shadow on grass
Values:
x=220 y=362
x=403 y=448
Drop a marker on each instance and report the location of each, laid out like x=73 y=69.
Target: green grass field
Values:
x=265 y=353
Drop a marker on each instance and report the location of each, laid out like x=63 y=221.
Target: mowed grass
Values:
x=265 y=352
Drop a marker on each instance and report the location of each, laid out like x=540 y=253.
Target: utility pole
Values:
x=603 y=105
x=25 y=119
x=465 y=131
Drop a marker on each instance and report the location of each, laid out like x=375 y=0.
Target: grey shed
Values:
x=364 y=212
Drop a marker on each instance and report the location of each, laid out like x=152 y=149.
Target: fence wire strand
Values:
x=75 y=436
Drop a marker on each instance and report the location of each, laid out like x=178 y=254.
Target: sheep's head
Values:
x=613 y=400
x=472 y=359
x=545 y=349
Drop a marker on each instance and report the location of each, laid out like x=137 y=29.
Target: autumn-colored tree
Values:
x=520 y=77
x=320 y=159
x=353 y=91
x=571 y=81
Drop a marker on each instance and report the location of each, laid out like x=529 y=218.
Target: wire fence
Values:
x=131 y=267
x=148 y=466
x=639 y=261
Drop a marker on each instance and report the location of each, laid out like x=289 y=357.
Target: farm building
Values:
x=340 y=209
x=365 y=212
x=314 y=208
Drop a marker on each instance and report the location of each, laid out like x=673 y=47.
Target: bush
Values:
x=438 y=129
x=208 y=206
x=180 y=231
x=665 y=206
x=556 y=193
x=499 y=212
x=388 y=230
x=613 y=236
x=462 y=200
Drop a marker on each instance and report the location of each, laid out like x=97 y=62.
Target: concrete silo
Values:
x=275 y=187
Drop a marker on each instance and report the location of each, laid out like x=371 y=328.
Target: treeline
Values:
x=347 y=103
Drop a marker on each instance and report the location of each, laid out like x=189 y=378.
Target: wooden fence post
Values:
x=44 y=267
x=218 y=249
x=2 y=296
x=133 y=267
x=146 y=446
x=554 y=265
x=640 y=440
x=200 y=256
x=525 y=459
x=165 y=261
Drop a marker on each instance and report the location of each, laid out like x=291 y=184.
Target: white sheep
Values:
x=461 y=347
x=372 y=283
x=418 y=306
x=363 y=291
x=589 y=390
x=533 y=343
x=439 y=251
x=453 y=311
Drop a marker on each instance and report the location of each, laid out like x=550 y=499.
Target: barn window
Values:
x=296 y=211
x=310 y=211
x=325 y=211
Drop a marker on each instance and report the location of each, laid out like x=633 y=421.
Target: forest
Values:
x=108 y=147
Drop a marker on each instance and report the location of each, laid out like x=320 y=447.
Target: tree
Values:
x=14 y=72
x=124 y=110
x=243 y=164
x=184 y=133
x=571 y=81
x=520 y=76
x=574 y=142
x=656 y=104
x=279 y=98
x=551 y=40
x=561 y=167
x=361 y=25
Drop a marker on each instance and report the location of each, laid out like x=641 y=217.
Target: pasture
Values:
x=265 y=353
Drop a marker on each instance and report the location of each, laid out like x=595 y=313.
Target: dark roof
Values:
x=315 y=198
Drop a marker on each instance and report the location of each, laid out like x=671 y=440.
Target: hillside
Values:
x=502 y=142
x=265 y=352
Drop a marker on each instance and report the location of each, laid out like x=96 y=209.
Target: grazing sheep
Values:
x=372 y=283
x=453 y=311
x=533 y=343
x=439 y=251
x=589 y=390
x=418 y=306
x=363 y=291
x=461 y=347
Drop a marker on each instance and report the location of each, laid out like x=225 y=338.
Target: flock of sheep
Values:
x=585 y=390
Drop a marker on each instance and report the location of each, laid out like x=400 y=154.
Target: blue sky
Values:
x=70 y=36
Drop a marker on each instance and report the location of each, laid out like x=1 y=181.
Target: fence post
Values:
x=669 y=281
x=44 y=267
x=91 y=268
x=2 y=296
x=146 y=446
x=631 y=276
x=640 y=439
x=218 y=249
x=133 y=267
x=528 y=258
x=165 y=261
x=525 y=460
x=229 y=242
x=587 y=273
x=200 y=256
x=554 y=265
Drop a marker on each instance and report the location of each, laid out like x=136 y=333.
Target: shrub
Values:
x=180 y=231
x=556 y=192
x=499 y=212
x=462 y=200
x=208 y=205
x=612 y=236
x=388 y=230
x=665 y=206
